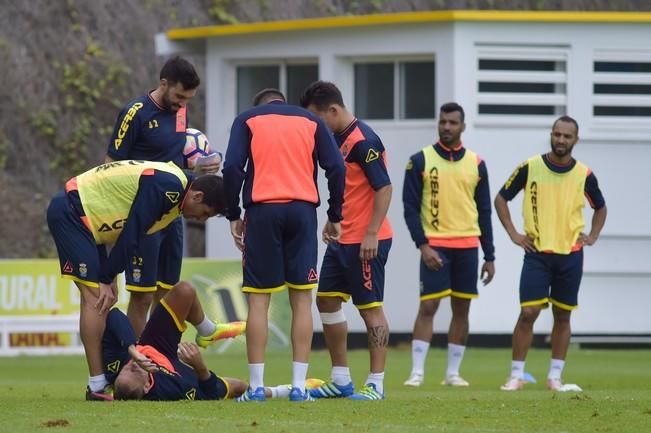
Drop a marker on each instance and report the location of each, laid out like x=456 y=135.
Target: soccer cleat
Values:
x=250 y=395
x=224 y=330
x=104 y=395
x=455 y=380
x=513 y=384
x=332 y=390
x=558 y=386
x=415 y=379
x=368 y=392
x=312 y=383
x=296 y=394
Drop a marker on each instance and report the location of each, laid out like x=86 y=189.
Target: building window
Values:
x=621 y=88
x=519 y=81
x=394 y=90
x=290 y=78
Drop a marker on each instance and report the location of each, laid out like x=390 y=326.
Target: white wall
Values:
x=617 y=285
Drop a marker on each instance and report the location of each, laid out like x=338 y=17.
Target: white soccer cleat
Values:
x=513 y=384
x=558 y=386
x=455 y=380
x=415 y=379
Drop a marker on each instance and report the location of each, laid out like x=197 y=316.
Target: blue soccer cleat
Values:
x=250 y=395
x=296 y=394
x=332 y=390
x=368 y=392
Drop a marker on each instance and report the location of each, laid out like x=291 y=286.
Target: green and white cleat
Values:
x=368 y=392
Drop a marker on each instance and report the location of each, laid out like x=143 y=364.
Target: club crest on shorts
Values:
x=83 y=270
x=136 y=275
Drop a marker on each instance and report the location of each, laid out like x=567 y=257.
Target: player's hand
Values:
x=586 y=239
x=143 y=362
x=487 y=272
x=107 y=298
x=523 y=241
x=431 y=258
x=237 y=230
x=368 y=248
x=331 y=232
x=189 y=353
x=209 y=164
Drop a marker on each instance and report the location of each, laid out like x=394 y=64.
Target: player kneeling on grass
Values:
x=160 y=366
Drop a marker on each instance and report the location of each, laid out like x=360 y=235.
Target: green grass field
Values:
x=46 y=394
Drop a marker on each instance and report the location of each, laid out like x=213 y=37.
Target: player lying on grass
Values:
x=160 y=366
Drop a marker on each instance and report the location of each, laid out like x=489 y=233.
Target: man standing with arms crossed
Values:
x=554 y=186
x=280 y=146
x=354 y=265
x=152 y=128
x=447 y=209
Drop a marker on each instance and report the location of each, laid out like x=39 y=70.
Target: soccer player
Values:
x=119 y=203
x=280 y=146
x=353 y=266
x=554 y=186
x=447 y=207
x=152 y=128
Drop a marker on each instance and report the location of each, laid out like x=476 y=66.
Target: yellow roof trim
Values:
x=406 y=18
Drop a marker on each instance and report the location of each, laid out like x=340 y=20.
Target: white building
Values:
x=514 y=73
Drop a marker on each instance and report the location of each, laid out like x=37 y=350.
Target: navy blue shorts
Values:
x=157 y=261
x=80 y=257
x=551 y=278
x=344 y=275
x=280 y=247
x=163 y=330
x=457 y=277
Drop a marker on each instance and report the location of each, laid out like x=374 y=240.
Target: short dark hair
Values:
x=567 y=119
x=127 y=391
x=212 y=187
x=451 y=107
x=322 y=94
x=266 y=95
x=179 y=70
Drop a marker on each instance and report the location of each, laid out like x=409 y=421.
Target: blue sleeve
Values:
x=412 y=193
x=150 y=204
x=208 y=389
x=118 y=325
x=593 y=193
x=237 y=155
x=483 y=201
x=332 y=162
x=118 y=336
x=516 y=182
x=370 y=156
x=126 y=132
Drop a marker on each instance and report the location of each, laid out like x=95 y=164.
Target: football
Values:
x=196 y=145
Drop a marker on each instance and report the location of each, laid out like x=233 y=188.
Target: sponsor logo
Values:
x=173 y=196
x=410 y=164
x=434 y=199
x=533 y=191
x=126 y=121
x=366 y=275
x=508 y=183
x=312 y=275
x=115 y=225
x=344 y=150
x=372 y=155
x=114 y=366
x=67 y=268
x=83 y=270
x=190 y=395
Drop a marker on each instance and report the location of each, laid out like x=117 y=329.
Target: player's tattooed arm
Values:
x=378 y=336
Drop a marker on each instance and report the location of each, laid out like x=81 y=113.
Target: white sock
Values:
x=256 y=376
x=299 y=373
x=97 y=383
x=419 y=350
x=340 y=376
x=517 y=370
x=280 y=391
x=206 y=327
x=377 y=379
x=556 y=369
x=455 y=356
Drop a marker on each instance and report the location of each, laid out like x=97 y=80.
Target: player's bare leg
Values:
x=522 y=338
x=421 y=340
x=378 y=340
x=300 y=302
x=336 y=334
x=561 y=333
x=138 y=309
x=91 y=330
x=457 y=337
